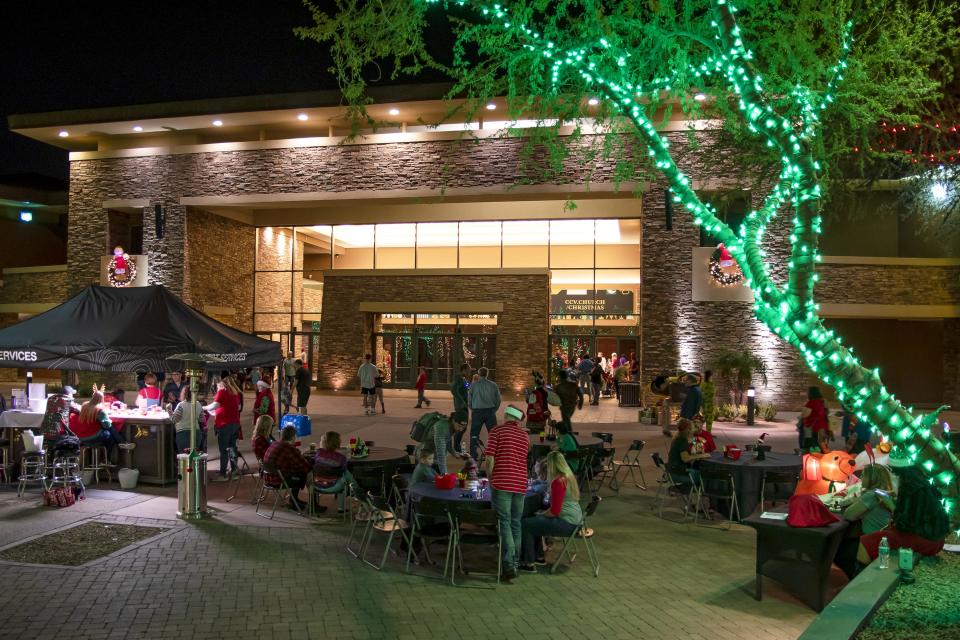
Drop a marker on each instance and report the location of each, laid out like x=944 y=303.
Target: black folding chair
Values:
x=475 y=527
x=586 y=533
x=279 y=489
x=630 y=462
x=778 y=481
x=431 y=521
x=715 y=486
x=385 y=520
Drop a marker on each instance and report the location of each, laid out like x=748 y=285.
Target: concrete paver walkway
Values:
x=238 y=575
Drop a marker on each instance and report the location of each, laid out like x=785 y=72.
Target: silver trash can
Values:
x=191 y=486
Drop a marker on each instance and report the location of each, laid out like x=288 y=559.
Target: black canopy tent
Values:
x=128 y=329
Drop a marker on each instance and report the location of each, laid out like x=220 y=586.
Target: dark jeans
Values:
x=509 y=508
x=481 y=417
x=108 y=438
x=421 y=397
x=296 y=482
x=227 y=436
x=565 y=415
x=458 y=435
x=535 y=528
x=182 y=439
x=595 y=388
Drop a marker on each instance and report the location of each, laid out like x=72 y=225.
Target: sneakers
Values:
x=540 y=562
x=527 y=568
x=127 y=445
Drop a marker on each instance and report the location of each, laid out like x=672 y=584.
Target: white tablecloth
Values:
x=14 y=419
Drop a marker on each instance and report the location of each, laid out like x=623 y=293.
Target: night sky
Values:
x=97 y=53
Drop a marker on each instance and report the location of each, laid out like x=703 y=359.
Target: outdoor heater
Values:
x=192 y=466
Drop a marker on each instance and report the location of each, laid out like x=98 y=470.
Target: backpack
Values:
x=422 y=427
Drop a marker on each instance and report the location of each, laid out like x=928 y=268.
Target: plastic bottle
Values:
x=884 y=553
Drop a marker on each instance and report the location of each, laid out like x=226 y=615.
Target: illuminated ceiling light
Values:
x=700 y=97
x=137 y=128
x=938 y=191
x=63 y=134
x=302 y=117
x=491 y=106
x=26 y=216
x=394 y=111
x=593 y=102
x=218 y=123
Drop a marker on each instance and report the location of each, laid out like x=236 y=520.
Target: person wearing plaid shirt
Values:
x=289 y=461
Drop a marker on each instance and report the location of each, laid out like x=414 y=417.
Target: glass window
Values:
x=316 y=247
x=396 y=322
x=395 y=246
x=312 y=293
x=618 y=243
x=353 y=246
x=525 y=243
x=275 y=249
x=480 y=245
x=571 y=243
x=437 y=245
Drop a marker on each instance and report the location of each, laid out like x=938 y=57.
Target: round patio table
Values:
x=379 y=456
x=748 y=473
x=541 y=449
x=464 y=499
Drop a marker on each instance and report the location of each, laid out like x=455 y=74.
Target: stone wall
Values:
x=888 y=284
x=951 y=362
x=220 y=254
x=345 y=334
x=34 y=287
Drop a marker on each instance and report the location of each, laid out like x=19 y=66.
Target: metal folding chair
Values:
x=605 y=436
x=630 y=462
x=482 y=528
x=669 y=487
x=385 y=520
x=242 y=469
x=778 y=480
x=586 y=533
x=716 y=485
x=280 y=490
x=424 y=525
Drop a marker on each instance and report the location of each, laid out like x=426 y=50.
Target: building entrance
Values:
x=567 y=350
x=441 y=354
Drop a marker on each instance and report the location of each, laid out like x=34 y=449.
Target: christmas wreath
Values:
x=720 y=268
x=122 y=269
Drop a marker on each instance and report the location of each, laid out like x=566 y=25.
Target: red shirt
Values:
x=229 y=410
x=421 y=382
x=150 y=393
x=509 y=445
x=817 y=420
x=558 y=489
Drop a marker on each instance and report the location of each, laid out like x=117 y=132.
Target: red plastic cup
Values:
x=296 y=444
x=463 y=482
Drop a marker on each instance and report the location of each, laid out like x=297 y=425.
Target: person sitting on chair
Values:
x=560 y=520
x=262 y=436
x=330 y=473
x=680 y=462
x=424 y=471
x=290 y=462
x=566 y=444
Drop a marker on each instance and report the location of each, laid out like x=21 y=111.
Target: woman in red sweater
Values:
x=226 y=424
x=94 y=428
x=560 y=519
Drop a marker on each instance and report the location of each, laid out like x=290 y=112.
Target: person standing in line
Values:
x=183 y=421
x=378 y=387
x=596 y=381
x=289 y=369
x=484 y=396
x=303 y=379
x=634 y=367
x=264 y=404
x=584 y=367
x=571 y=399
x=421 y=386
x=506 y=458
x=709 y=398
x=226 y=424
x=461 y=412
x=368 y=385
x=620 y=374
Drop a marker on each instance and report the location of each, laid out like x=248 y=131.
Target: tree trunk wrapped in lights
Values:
x=570 y=50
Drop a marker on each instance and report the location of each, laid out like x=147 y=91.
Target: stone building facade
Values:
x=236 y=269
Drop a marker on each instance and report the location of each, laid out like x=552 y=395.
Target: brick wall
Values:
x=42 y=287
x=345 y=334
x=220 y=266
x=888 y=284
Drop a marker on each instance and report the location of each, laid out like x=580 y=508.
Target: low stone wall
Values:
x=33 y=286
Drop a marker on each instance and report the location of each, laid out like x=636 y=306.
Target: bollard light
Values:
x=751 y=404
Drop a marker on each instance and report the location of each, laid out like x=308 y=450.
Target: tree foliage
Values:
x=796 y=85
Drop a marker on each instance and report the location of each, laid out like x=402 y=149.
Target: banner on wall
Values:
x=600 y=301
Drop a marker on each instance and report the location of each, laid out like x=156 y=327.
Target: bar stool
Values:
x=33 y=468
x=66 y=472
x=94 y=458
x=5 y=465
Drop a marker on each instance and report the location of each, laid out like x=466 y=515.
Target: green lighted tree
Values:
x=644 y=59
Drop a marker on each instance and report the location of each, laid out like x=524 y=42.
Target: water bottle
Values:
x=884 y=553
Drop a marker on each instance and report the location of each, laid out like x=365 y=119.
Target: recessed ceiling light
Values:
x=394 y=111
x=302 y=117
x=593 y=102
x=137 y=128
x=700 y=97
x=63 y=134
x=218 y=123
x=491 y=106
